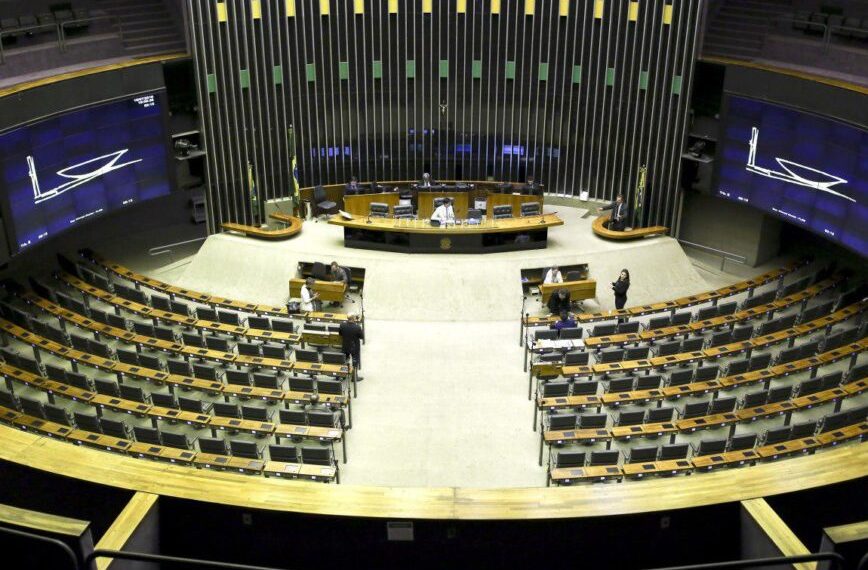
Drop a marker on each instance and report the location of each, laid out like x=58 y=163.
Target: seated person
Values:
x=620 y=211
x=353 y=187
x=427 y=181
x=444 y=212
x=559 y=301
x=553 y=275
x=337 y=273
x=565 y=322
x=531 y=187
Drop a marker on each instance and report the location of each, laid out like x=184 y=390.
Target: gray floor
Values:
x=444 y=400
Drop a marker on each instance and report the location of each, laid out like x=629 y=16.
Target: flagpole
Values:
x=293 y=167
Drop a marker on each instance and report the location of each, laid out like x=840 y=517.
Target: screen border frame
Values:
x=6 y=209
x=718 y=163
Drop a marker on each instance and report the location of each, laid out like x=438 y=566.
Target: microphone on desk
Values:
x=542 y=217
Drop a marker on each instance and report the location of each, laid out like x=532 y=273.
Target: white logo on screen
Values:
x=795 y=173
x=109 y=164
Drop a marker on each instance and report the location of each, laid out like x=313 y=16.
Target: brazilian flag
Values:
x=254 y=197
x=296 y=188
x=640 y=197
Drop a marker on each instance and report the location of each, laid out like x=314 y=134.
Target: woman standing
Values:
x=620 y=288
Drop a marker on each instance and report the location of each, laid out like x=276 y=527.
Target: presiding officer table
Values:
x=419 y=236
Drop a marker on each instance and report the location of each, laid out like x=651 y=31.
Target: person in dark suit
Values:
x=559 y=301
x=427 y=181
x=351 y=336
x=353 y=187
x=620 y=211
x=620 y=288
x=565 y=322
x=532 y=187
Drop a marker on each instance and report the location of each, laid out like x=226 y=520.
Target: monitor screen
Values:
x=64 y=170
x=513 y=149
x=808 y=170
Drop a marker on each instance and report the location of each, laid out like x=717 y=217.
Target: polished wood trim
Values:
x=841 y=463
x=847 y=532
x=26 y=518
x=777 y=531
x=88 y=71
x=424 y=227
x=599 y=228
x=125 y=525
x=791 y=72
x=293 y=228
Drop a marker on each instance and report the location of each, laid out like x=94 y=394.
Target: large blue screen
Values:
x=61 y=171
x=806 y=169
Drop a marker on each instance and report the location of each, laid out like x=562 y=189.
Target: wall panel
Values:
x=579 y=94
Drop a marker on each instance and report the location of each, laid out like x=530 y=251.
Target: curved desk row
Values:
x=418 y=236
x=842 y=463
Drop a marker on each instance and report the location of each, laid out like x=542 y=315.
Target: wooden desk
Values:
x=328 y=290
x=299 y=471
x=513 y=200
x=293 y=227
x=600 y=229
x=418 y=236
x=670 y=467
x=460 y=203
x=360 y=204
x=584 y=289
x=597 y=473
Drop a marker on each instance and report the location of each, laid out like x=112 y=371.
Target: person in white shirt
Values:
x=444 y=212
x=309 y=297
x=553 y=275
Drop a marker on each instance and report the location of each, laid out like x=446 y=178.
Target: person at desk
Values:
x=309 y=297
x=531 y=188
x=553 y=275
x=565 y=322
x=351 y=334
x=559 y=302
x=426 y=182
x=353 y=187
x=620 y=211
x=338 y=273
x=444 y=212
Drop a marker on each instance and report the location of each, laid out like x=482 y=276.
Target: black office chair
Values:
x=501 y=212
x=378 y=210
x=530 y=209
x=403 y=212
x=321 y=202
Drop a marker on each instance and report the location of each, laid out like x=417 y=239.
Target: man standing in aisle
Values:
x=351 y=336
x=309 y=297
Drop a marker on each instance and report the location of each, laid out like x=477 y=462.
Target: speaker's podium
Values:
x=463 y=236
